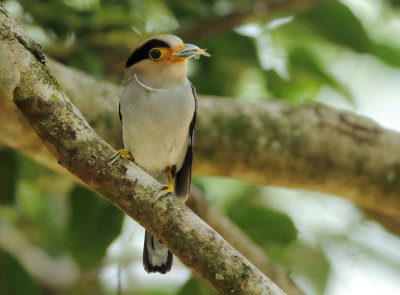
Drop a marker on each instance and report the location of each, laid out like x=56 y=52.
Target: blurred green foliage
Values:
x=54 y=215
x=268 y=228
x=194 y=286
x=285 y=53
x=350 y=33
x=93 y=225
x=14 y=280
x=8 y=176
x=98 y=36
x=311 y=262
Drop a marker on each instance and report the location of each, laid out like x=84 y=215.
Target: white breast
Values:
x=156 y=124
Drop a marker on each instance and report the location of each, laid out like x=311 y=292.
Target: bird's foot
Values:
x=166 y=189
x=123 y=153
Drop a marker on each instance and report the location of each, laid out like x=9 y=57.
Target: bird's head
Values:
x=161 y=61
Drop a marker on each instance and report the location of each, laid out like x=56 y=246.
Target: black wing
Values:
x=119 y=112
x=184 y=176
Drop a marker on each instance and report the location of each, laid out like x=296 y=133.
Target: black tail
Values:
x=156 y=257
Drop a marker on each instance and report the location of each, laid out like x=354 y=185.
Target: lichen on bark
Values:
x=76 y=146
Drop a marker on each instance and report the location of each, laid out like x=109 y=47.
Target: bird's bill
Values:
x=188 y=51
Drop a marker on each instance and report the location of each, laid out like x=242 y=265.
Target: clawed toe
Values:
x=162 y=194
x=113 y=158
x=123 y=153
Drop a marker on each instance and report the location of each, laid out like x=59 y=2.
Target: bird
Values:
x=158 y=113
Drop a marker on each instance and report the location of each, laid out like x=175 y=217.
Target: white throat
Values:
x=146 y=86
x=153 y=75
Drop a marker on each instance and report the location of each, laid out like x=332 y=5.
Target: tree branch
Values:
x=79 y=149
x=240 y=241
x=311 y=146
x=26 y=141
x=100 y=98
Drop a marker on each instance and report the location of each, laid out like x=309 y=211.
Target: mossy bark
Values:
x=310 y=147
x=74 y=144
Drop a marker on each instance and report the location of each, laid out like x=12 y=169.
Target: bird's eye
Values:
x=155 y=54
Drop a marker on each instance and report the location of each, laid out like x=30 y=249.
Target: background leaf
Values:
x=193 y=286
x=335 y=22
x=329 y=51
x=8 y=176
x=14 y=280
x=312 y=263
x=93 y=225
x=268 y=228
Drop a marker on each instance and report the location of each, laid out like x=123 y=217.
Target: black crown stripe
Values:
x=142 y=52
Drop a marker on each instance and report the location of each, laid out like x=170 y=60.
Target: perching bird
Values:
x=158 y=113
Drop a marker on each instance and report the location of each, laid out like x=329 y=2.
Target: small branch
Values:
x=78 y=148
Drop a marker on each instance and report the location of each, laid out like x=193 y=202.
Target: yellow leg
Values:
x=123 y=153
x=170 y=186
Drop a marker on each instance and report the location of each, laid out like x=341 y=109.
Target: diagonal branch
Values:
x=240 y=241
x=97 y=111
x=311 y=146
x=79 y=149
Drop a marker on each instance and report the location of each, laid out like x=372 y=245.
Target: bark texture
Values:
x=27 y=82
x=310 y=147
x=240 y=241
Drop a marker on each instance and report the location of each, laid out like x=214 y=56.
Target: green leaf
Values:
x=305 y=61
x=14 y=280
x=231 y=55
x=387 y=54
x=335 y=22
x=40 y=199
x=311 y=264
x=307 y=75
x=194 y=286
x=94 y=223
x=87 y=60
x=154 y=291
x=267 y=227
x=8 y=176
